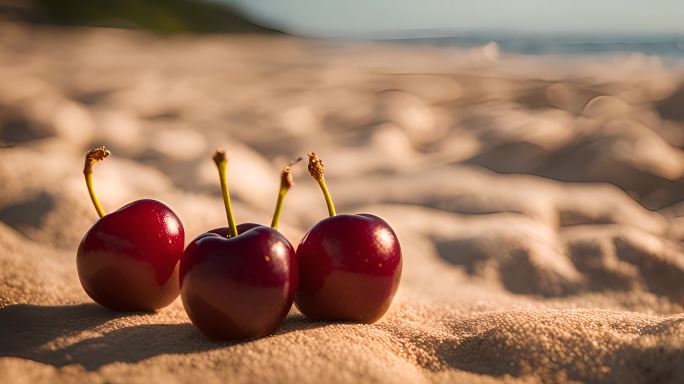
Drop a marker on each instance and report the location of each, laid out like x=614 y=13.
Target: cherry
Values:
x=239 y=282
x=349 y=265
x=128 y=260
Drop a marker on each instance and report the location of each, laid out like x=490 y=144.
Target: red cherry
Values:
x=239 y=282
x=349 y=265
x=128 y=260
x=239 y=287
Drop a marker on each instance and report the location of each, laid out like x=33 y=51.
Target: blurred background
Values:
x=528 y=26
x=568 y=113
x=509 y=87
x=529 y=155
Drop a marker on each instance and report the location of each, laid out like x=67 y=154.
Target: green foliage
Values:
x=161 y=16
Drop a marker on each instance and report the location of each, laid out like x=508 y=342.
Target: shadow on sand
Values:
x=26 y=331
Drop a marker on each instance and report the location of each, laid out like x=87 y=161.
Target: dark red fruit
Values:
x=129 y=259
x=239 y=287
x=350 y=267
x=239 y=282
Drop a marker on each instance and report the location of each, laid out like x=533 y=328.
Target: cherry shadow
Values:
x=298 y=322
x=26 y=330
x=24 y=327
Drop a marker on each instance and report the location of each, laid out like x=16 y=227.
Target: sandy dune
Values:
x=539 y=202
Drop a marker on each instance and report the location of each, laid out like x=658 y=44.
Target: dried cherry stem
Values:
x=92 y=157
x=316 y=169
x=286 y=182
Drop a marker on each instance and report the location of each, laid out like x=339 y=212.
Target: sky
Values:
x=404 y=18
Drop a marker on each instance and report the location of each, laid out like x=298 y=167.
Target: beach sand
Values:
x=539 y=201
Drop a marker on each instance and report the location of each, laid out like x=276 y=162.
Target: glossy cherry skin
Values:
x=350 y=267
x=240 y=287
x=128 y=260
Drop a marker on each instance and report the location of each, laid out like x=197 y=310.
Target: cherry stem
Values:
x=92 y=157
x=286 y=183
x=222 y=163
x=316 y=169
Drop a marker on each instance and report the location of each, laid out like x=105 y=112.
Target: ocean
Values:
x=668 y=47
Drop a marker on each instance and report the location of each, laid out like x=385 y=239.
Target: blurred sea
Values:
x=667 y=47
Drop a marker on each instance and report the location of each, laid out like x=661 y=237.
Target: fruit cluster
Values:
x=239 y=281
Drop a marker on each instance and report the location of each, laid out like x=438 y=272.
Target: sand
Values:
x=539 y=202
